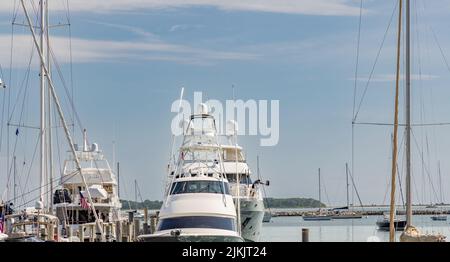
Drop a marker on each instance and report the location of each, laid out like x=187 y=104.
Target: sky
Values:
x=129 y=60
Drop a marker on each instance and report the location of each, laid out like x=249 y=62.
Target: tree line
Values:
x=268 y=203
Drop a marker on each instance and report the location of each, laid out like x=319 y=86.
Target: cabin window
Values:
x=229 y=155
x=197 y=222
x=62 y=196
x=108 y=188
x=213 y=187
x=245 y=179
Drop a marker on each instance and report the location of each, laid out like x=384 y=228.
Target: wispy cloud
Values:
x=89 y=51
x=132 y=29
x=306 y=7
x=184 y=27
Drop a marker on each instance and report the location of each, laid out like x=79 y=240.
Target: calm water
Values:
x=344 y=230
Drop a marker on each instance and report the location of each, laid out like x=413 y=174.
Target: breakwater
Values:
x=364 y=213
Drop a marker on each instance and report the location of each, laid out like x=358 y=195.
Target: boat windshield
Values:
x=197 y=222
x=199 y=186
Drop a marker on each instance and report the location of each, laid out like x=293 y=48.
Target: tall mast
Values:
x=238 y=175
x=394 y=137
x=408 y=116
x=238 y=182
x=135 y=194
x=440 y=183
x=42 y=103
x=257 y=167
x=346 y=177
x=118 y=179
x=49 y=110
x=14 y=179
x=320 y=199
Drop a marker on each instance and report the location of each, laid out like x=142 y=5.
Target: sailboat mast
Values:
x=14 y=180
x=257 y=167
x=49 y=112
x=394 y=136
x=238 y=175
x=346 y=177
x=118 y=180
x=42 y=103
x=408 y=116
x=320 y=199
x=440 y=183
x=135 y=194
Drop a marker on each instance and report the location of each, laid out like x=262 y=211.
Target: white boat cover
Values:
x=97 y=191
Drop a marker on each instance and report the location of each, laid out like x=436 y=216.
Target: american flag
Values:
x=84 y=204
x=1 y=223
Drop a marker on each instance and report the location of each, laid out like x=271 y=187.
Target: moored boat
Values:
x=198 y=205
x=384 y=224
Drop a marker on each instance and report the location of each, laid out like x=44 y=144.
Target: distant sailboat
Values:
x=319 y=215
x=440 y=216
x=346 y=213
x=384 y=223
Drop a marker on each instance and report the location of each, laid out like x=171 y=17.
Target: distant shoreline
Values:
x=268 y=202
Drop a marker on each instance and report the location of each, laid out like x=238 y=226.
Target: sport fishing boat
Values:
x=248 y=192
x=38 y=223
x=198 y=205
x=70 y=199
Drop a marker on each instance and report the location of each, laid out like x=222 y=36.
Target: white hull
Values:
x=252 y=214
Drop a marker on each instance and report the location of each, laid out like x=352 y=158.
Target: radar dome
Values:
x=202 y=109
x=232 y=128
x=94 y=147
x=39 y=205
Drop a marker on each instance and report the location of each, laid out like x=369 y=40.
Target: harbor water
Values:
x=289 y=229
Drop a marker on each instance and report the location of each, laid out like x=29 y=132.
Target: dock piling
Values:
x=119 y=231
x=152 y=224
x=137 y=228
x=305 y=235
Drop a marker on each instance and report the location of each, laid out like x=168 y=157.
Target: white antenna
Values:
x=85 y=142
x=238 y=177
x=173 y=135
x=114 y=151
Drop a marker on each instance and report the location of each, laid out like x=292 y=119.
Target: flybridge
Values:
x=257 y=118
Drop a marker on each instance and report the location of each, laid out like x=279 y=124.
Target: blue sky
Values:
x=130 y=59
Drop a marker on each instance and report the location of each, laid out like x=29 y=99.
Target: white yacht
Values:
x=70 y=200
x=198 y=206
x=250 y=192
